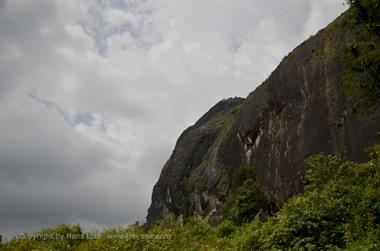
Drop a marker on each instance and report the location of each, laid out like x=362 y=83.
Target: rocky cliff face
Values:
x=299 y=110
x=189 y=179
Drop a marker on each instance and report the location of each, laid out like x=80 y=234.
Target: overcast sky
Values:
x=93 y=94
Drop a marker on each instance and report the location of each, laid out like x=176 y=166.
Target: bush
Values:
x=247 y=199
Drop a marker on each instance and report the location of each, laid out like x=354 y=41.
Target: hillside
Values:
x=303 y=108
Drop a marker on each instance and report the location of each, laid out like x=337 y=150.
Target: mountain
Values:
x=304 y=107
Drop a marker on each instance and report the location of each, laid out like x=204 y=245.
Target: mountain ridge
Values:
x=297 y=111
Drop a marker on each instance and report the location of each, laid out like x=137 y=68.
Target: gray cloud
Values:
x=113 y=85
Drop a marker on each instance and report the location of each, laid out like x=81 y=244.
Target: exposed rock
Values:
x=294 y=113
x=188 y=180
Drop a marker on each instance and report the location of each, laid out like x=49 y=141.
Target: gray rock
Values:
x=296 y=112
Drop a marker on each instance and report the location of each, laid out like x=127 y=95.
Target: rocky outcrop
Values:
x=301 y=109
x=188 y=180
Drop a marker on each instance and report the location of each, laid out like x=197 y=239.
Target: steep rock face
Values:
x=296 y=112
x=187 y=181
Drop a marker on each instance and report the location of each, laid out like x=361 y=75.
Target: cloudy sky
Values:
x=93 y=94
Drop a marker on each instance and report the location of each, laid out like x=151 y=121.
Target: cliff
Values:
x=189 y=180
x=301 y=109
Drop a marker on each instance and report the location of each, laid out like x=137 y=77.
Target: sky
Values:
x=94 y=94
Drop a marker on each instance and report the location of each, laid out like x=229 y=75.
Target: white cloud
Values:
x=322 y=13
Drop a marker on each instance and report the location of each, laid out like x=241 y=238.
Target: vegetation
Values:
x=361 y=59
x=339 y=210
x=248 y=200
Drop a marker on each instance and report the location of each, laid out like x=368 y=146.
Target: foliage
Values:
x=367 y=13
x=361 y=59
x=339 y=210
x=248 y=199
x=226 y=228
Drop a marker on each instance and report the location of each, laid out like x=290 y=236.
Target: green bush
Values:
x=247 y=199
x=226 y=228
x=339 y=209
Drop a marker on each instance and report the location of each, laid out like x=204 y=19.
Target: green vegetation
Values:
x=248 y=200
x=339 y=210
x=223 y=120
x=361 y=59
